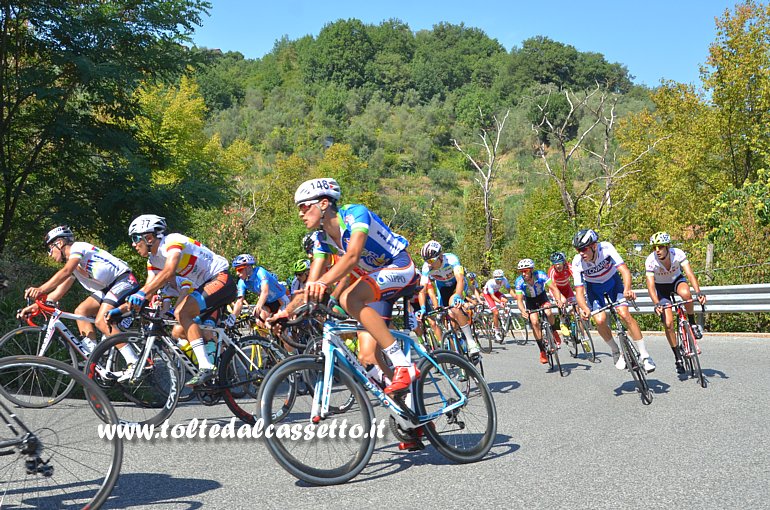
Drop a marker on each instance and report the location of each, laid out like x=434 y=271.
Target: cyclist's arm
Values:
x=61 y=290
x=650 y=280
x=520 y=303
x=264 y=288
x=238 y=305
x=460 y=277
x=625 y=273
x=580 y=296
x=557 y=296
x=348 y=261
x=56 y=280
x=165 y=275
x=688 y=272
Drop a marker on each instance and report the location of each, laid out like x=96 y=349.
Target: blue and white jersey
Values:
x=97 y=268
x=382 y=244
x=601 y=269
x=259 y=276
x=540 y=281
x=444 y=276
x=492 y=286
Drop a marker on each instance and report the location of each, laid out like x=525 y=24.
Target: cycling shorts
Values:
x=595 y=292
x=394 y=280
x=117 y=292
x=665 y=290
x=539 y=301
x=215 y=293
x=491 y=303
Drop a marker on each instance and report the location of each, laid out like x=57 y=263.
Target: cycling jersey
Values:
x=197 y=263
x=653 y=266
x=470 y=288
x=493 y=286
x=601 y=269
x=97 y=269
x=382 y=245
x=296 y=286
x=444 y=276
x=254 y=283
x=560 y=278
x=540 y=281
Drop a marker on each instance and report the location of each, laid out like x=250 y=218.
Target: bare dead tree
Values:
x=490 y=141
x=598 y=105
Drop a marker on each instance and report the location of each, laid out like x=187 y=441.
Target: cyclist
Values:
x=494 y=297
x=472 y=292
x=301 y=272
x=260 y=281
x=171 y=255
x=531 y=293
x=376 y=258
x=598 y=269
x=448 y=276
x=108 y=279
x=664 y=268
x=560 y=272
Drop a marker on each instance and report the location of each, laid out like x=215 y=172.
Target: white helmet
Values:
x=62 y=231
x=498 y=273
x=316 y=189
x=431 y=250
x=147 y=223
x=526 y=264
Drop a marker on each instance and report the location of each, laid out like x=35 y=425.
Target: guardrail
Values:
x=721 y=299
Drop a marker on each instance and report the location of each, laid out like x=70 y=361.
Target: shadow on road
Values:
x=712 y=372
x=503 y=386
x=569 y=367
x=657 y=387
x=153 y=489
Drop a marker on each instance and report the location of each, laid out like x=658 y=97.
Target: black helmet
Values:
x=558 y=257
x=583 y=238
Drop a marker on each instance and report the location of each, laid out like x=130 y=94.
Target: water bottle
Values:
x=188 y=350
x=211 y=350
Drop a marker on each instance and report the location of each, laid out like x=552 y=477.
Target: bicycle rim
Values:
x=38 y=388
x=586 y=340
x=83 y=467
x=319 y=461
x=464 y=434
x=149 y=399
x=638 y=373
x=696 y=370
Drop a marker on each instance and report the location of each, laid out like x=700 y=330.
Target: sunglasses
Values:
x=238 y=269
x=584 y=249
x=136 y=238
x=51 y=247
x=304 y=206
x=432 y=260
x=656 y=246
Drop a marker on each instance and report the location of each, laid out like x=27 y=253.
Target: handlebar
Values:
x=615 y=304
x=302 y=312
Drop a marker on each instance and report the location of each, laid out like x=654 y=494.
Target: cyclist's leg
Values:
x=89 y=308
x=683 y=289
x=633 y=329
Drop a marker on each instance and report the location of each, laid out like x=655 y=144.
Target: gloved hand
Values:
x=419 y=313
x=136 y=300
x=457 y=300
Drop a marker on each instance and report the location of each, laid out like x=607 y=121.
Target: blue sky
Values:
x=654 y=39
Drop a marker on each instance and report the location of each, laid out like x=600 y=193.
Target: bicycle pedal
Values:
x=412 y=446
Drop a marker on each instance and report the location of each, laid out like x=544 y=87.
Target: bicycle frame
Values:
x=333 y=349
x=54 y=324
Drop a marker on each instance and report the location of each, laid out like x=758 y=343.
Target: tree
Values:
x=486 y=174
x=67 y=74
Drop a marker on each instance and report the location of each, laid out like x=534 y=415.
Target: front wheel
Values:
x=464 y=434
x=637 y=371
x=585 y=340
x=695 y=368
x=335 y=458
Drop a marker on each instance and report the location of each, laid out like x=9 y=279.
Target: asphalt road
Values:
x=580 y=441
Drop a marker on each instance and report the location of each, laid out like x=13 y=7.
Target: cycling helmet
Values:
x=471 y=276
x=526 y=264
x=585 y=237
x=147 y=223
x=316 y=189
x=661 y=238
x=301 y=266
x=61 y=232
x=558 y=257
x=498 y=273
x=244 y=259
x=431 y=250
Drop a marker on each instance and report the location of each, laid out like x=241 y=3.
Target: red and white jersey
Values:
x=197 y=263
x=560 y=278
x=97 y=268
x=600 y=269
x=656 y=268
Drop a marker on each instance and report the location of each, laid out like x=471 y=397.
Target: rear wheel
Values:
x=584 y=338
x=695 y=368
x=637 y=371
x=51 y=385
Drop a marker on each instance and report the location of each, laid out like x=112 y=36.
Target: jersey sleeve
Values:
x=174 y=242
x=610 y=250
x=357 y=218
x=241 y=288
x=577 y=271
x=649 y=264
x=79 y=250
x=520 y=285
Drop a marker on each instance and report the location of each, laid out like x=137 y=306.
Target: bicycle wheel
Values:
x=69 y=465
x=486 y=334
x=27 y=341
x=464 y=434
x=244 y=368
x=149 y=399
x=429 y=340
x=694 y=359
x=524 y=332
x=329 y=460
x=585 y=339
x=637 y=371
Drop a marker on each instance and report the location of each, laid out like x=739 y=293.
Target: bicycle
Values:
x=580 y=334
x=512 y=323
x=53 y=340
x=39 y=442
x=482 y=326
x=546 y=332
x=441 y=406
x=154 y=381
x=627 y=347
x=453 y=339
x=686 y=340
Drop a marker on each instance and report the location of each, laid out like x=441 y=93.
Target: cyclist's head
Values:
x=244 y=265
x=558 y=257
x=584 y=239
x=498 y=274
x=301 y=267
x=660 y=239
x=431 y=251
x=147 y=224
x=320 y=194
x=61 y=233
x=526 y=266
x=471 y=276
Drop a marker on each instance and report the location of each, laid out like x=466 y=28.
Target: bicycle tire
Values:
x=241 y=380
x=462 y=435
x=525 y=328
x=584 y=332
x=26 y=341
x=151 y=399
x=695 y=369
x=62 y=427
x=429 y=340
x=294 y=456
x=637 y=371
x=482 y=335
